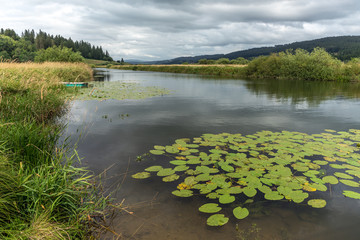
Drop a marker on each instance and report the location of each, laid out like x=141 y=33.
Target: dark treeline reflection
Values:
x=298 y=91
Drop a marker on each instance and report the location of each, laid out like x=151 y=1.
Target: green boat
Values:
x=75 y=84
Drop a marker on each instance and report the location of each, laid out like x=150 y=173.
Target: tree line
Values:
x=25 y=47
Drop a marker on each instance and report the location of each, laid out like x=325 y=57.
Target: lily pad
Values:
x=181 y=168
x=210 y=208
x=350 y=183
x=171 y=178
x=343 y=175
x=240 y=213
x=154 y=168
x=217 y=220
x=165 y=172
x=157 y=152
x=330 y=179
x=178 y=162
x=226 y=199
x=183 y=193
x=273 y=196
x=351 y=194
x=141 y=175
x=250 y=192
x=317 y=203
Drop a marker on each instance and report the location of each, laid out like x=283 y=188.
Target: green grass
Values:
x=42 y=194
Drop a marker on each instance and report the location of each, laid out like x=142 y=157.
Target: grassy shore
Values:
x=42 y=194
x=317 y=65
x=213 y=70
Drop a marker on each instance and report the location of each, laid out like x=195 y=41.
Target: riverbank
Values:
x=42 y=194
x=317 y=65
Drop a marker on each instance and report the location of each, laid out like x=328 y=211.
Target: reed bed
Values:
x=42 y=194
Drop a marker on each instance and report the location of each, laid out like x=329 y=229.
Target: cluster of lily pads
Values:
x=233 y=169
x=119 y=91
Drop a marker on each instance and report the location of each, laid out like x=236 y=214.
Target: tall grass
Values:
x=42 y=194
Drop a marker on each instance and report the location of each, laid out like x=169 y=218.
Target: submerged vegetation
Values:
x=237 y=170
x=299 y=64
x=42 y=195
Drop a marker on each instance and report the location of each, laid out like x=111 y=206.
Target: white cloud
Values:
x=162 y=29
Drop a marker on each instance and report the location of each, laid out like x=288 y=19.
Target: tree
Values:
x=58 y=54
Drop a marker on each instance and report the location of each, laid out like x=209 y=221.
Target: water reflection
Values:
x=313 y=93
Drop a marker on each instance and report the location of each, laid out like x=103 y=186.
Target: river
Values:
x=111 y=134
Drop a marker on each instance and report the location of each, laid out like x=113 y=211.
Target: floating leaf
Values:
x=350 y=183
x=203 y=177
x=154 y=168
x=217 y=220
x=225 y=199
x=183 y=193
x=190 y=181
x=141 y=175
x=165 y=172
x=157 y=147
x=178 y=162
x=317 y=203
x=343 y=175
x=181 y=168
x=171 y=178
x=250 y=192
x=330 y=179
x=273 y=196
x=157 y=152
x=240 y=213
x=351 y=194
x=210 y=208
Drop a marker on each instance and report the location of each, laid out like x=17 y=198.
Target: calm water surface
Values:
x=113 y=133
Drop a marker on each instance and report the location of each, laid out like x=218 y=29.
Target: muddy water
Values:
x=113 y=133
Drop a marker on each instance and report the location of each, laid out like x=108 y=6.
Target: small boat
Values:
x=75 y=84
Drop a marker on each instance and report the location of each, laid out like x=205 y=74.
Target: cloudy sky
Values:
x=164 y=29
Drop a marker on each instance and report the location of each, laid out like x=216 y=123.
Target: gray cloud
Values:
x=162 y=29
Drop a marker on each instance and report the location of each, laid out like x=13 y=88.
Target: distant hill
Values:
x=342 y=47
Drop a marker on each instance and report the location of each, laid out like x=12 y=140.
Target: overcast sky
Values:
x=164 y=29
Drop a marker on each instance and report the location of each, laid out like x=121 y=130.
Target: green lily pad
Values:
x=171 y=178
x=178 y=162
x=157 y=152
x=330 y=179
x=350 y=183
x=240 y=213
x=181 y=168
x=317 y=203
x=203 y=177
x=154 y=168
x=274 y=195
x=141 y=175
x=351 y=194
x=157 y=147
x=165 y=172
x=210 y=208
x=250 y=192
x=226 y=199
x=343 y=175
x=183 y=193
x=217 y=220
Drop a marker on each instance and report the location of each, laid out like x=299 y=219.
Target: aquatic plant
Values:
x=232 y=168
x=118 y=91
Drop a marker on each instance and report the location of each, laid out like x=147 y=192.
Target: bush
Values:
x=301 y=64
x=58 y=54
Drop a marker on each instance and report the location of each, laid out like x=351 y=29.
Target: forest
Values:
x=24 y=48
x=343 y=48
